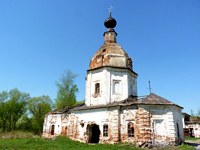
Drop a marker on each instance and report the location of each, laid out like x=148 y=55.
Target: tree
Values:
x=66 y=95
x=196 y=114
x=3 y=112
x=12 y=107
x=39 y=107
x=24 y=123
x=17 y=103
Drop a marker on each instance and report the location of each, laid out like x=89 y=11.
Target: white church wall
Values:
x=102 y=77
x=132 y=84
x=119 y=92
x=114 y=85
x=127 y=115
x=99 y=117
x=164 y=123
x=93 y=116
x=50 y=121
x=178 y=123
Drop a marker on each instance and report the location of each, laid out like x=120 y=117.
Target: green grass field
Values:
x=59 y=143
x=26 y=141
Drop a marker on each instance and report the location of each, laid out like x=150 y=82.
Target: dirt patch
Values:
x=195 y=143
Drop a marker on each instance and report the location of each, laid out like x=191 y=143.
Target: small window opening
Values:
x=97 y=88
x=178 y=134
x=130 y=129
x=105 y=130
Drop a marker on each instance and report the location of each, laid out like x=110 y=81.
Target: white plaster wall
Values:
x=92 y=115
x=183 y=121
x=106 y=77
x=132 y=85
x=53 y=119
x=162 y=122
x=101 y=76
x=178 y=120
x=95 y=116
x=122 y=77
x=196 y=128
x=169 y=116
x=166 y=128
x=126 y=116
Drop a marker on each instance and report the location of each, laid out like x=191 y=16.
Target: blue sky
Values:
x=41 y=39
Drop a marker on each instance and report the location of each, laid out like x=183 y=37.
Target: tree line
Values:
x=19 y=111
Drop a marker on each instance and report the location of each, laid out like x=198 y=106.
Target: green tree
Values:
x=66 y=95
x=39 y=107
x=16 y=106
x=12 y=107
x=3 y=111
x=24 y=123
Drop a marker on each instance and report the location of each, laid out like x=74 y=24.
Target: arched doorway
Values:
x=93 y=133
x=52 y=129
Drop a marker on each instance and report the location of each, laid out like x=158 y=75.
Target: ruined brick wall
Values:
x=163 y=124
x=73 y=130
x=127 y=116
x=99 y=117
x=64 y=123
x=113 y=126
x=143 y=129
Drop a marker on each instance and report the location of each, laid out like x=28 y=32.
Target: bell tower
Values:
x=110 y=76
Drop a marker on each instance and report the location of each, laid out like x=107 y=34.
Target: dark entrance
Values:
x=93 y=133
x=52 y=129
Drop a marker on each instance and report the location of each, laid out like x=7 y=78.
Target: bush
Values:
x=16 y=135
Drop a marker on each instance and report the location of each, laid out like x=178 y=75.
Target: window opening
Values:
x=97 y=88
x=105 y=130
x=130 y=129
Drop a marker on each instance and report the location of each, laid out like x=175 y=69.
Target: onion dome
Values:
x=110 y=22
x=110 y=54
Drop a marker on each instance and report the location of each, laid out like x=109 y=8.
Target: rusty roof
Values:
x=151 y=99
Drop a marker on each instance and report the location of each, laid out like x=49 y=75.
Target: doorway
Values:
x=93 y=133
x=52 y=129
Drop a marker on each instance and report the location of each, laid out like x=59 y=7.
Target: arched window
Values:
x=116 y=87
x=105 y=130
x=97 y=88
x=130 y=129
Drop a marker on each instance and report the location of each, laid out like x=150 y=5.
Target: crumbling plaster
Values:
x=106 y=77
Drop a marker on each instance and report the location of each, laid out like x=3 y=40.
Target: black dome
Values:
x=110 y=22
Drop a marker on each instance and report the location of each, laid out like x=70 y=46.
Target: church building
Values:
x=113 y=112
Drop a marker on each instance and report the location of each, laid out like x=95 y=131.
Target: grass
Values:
x=58 y=144
x=192 y=138
x=18 y=140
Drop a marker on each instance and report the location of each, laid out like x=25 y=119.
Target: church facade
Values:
x=113 y=112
